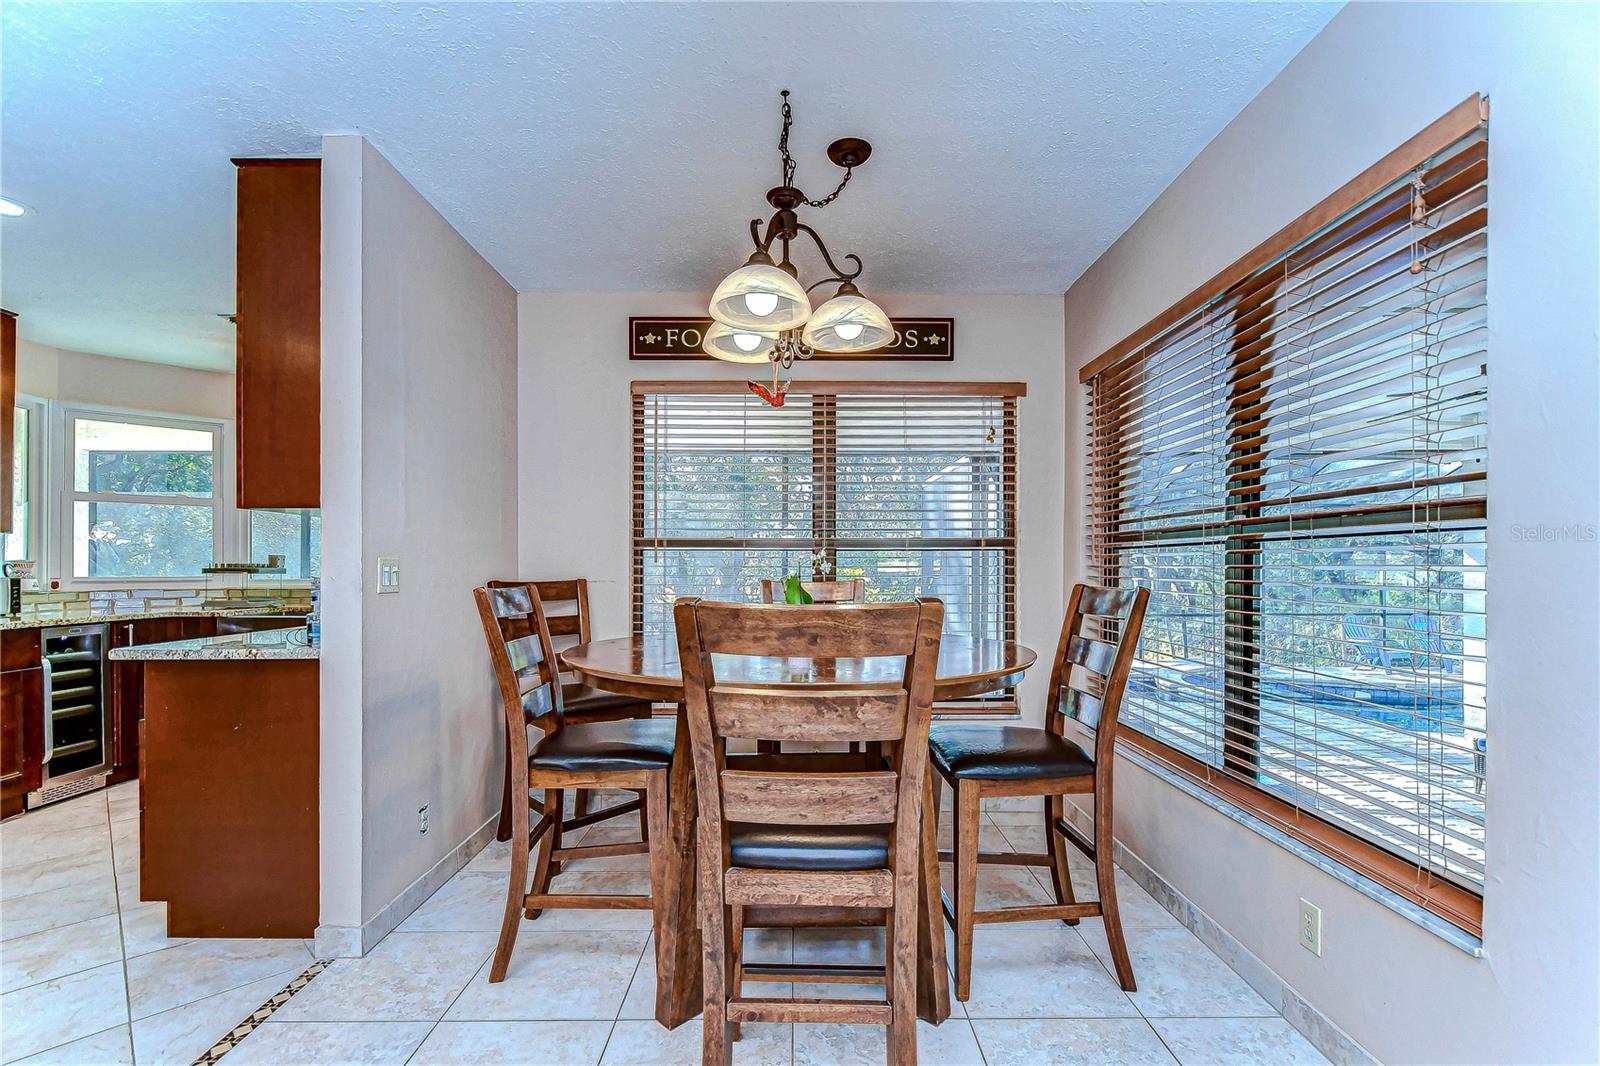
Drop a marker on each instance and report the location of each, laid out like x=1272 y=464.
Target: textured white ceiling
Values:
x=603 y=146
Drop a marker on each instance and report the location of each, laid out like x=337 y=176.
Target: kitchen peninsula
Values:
x=228 y=783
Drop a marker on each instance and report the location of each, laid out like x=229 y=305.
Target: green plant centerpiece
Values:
x=794 y=592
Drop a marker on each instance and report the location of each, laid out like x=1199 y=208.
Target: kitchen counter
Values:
x=52 y=615
x=263 y=644
x=228 y=777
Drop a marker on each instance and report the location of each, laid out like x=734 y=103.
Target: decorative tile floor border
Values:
x=235 y=1036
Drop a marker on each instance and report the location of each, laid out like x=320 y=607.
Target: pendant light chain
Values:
x=789 y=164
x=762 y=311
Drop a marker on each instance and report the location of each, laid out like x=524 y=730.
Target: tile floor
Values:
x=89 y=976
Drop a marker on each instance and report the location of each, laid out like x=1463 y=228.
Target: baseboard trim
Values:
x=1339 y=1047
x=352 y=942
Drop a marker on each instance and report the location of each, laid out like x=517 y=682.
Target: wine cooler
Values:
x=77 y=738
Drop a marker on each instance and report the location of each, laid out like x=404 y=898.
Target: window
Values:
x=22 y=541
x=145 y=495
x=294 y=534
x=912 y=487
x=1293 y=460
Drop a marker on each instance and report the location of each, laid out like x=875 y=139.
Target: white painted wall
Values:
x=419 y=392
x=573 y=438
x=1375 y=76
x=83 y=377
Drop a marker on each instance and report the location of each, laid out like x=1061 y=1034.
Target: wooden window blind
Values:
x=912 y=487
x=1293 y=460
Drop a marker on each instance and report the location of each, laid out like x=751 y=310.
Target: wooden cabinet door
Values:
x=279 y=325
x=21 y=718
x=8 y=400
x=127 y=684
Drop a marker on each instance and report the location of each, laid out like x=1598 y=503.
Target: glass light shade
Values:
x=848 y=324
x=760 y=296
x=738 y=345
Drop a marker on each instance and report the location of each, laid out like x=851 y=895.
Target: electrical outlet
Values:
x=422 y=818
x=388 y=574
x=1311 y=927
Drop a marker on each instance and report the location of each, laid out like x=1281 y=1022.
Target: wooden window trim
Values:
x=825 y=504
x=1446 y=899
x=1455 y=124
x=846 y=388
x=1455 y=903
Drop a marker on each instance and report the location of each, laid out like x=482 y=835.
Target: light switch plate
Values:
x=388 y=574
x=1311 y=927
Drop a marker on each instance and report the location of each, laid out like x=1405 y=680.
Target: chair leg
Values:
x=516 y=890
x=502 y=831
x=932 y=998
x=735 y=961
x=900 y=972
x=557 y=801
x=644 y=810
x=653 y=822
x=715 y=1047
x=542 y=867
x=966 y=855
x=1055 y=807
x=580 y=802
x=1105 y=875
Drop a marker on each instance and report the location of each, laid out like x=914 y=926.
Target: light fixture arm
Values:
x=839 y=275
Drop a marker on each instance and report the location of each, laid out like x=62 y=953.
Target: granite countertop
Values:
x=263 y=644
x=40 y=617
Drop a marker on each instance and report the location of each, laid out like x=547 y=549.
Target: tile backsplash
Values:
x=155 y=599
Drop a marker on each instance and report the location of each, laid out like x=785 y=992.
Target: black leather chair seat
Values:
x=804 y=847
x=595 y=747
x=1006 y=753
x=583 y=702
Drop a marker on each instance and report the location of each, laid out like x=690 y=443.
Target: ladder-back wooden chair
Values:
x=854 y=591
x=630 y=754
x=581 y=703
x=808 y=831
x=1098 y=640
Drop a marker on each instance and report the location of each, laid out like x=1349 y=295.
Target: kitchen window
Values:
x=144 y=495
x=23 y=539
x=295 y=534
x=1294 y=461
x=909 y=486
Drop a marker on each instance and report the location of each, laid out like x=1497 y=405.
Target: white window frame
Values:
x=36 y=540
x=226 y=533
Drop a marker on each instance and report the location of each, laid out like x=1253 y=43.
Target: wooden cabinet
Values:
x=21 y=718
x=8 y=402
x=279 y=332
x=126 y=691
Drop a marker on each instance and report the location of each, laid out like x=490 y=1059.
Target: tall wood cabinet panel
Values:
x=279 y=332
x=8 y=402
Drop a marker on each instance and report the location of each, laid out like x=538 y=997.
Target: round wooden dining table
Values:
x=647 y=667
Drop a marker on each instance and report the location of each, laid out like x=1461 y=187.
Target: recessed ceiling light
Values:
x=11 y=209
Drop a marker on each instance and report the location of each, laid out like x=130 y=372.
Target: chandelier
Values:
x=763 y=314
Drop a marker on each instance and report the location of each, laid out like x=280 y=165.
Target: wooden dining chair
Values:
x=854 y=591
x=630 y=754
x=582 y=703
x=806 y=832
x=1095 y=652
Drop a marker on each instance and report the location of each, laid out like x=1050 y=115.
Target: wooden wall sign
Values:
x=915 y=340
